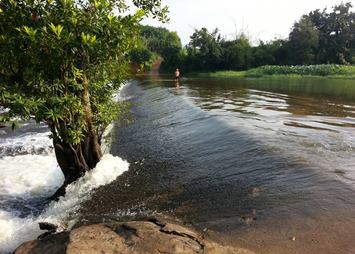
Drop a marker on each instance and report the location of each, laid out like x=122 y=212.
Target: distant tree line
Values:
x=157 y=42
x=321 y=37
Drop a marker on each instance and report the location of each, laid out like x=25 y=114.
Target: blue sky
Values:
x=259 y=19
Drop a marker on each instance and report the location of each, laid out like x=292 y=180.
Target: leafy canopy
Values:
x=56 y=54
x=165 y=43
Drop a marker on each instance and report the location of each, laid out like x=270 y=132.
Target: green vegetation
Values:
x=142 y=59
x=320 y=42
x=303 y=70
x=164 y=43
x=325 y=70
x=60 y=63
x=318 y=38
x=157 y=42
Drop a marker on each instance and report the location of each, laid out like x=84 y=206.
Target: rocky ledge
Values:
x=134 y=237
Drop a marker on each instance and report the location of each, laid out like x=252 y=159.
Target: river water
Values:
x=263 y=164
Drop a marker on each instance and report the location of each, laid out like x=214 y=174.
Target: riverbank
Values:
x=146 y=236
x=328 y=71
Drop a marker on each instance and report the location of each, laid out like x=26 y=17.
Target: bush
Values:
x=303 y=70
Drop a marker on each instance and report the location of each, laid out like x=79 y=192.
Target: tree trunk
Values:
x=75 y=160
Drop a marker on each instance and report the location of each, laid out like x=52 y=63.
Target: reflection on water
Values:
x=243 y=158
x=310 y=120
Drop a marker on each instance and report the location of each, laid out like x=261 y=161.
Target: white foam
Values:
x=25 y=143
x=29 y=175
x=15 y=230
x=106 y=171
x=3 y=110
x=117 y=96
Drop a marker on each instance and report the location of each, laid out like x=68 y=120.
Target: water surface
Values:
x=255 y=163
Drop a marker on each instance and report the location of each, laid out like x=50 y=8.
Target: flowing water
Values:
x=264 y=164
x=30 y=174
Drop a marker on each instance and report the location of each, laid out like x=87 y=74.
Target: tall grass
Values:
x=303 y=70
x=322 y=70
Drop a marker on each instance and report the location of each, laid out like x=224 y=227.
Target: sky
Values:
x=258 y=19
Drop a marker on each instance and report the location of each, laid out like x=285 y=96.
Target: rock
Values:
x=47 y=226
x=54 y=244
x=51 y=229
x=134 y=237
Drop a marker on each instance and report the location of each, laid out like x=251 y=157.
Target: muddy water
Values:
x=264 y=164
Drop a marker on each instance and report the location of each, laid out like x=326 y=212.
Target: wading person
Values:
x=177 y=74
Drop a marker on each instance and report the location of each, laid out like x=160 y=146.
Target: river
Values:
x=265 y=164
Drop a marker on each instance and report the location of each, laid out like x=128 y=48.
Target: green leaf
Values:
x=14 y=125
x=53 y=115
x=93 y=39
x=13 y=2
x=67 y=2
x=140 y=13
x=110 y=18
x=84 y=37
x=77 y=73
x=4 y=118
x=88 y=38
x=57 y=30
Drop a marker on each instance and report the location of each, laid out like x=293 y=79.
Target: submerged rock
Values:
x=134 y=237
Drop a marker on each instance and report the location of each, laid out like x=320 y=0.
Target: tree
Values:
x=141 y=58
x=60 y=62
x=165 y=43
x=303 y=41
x=336 y=34
x=204 y=50
x=268 y=53
x=237 y=54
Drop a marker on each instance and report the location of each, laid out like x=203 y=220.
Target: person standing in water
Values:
x=177 y=74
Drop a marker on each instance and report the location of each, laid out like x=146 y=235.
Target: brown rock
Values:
x=54 y=244
x=135 y=237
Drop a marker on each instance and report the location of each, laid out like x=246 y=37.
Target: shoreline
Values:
x=150 y=235
x=242 y=75
x=287 y=72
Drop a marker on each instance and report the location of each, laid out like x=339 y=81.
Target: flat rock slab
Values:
x=134 y=237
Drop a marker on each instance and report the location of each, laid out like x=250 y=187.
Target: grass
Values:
x=274 y=71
